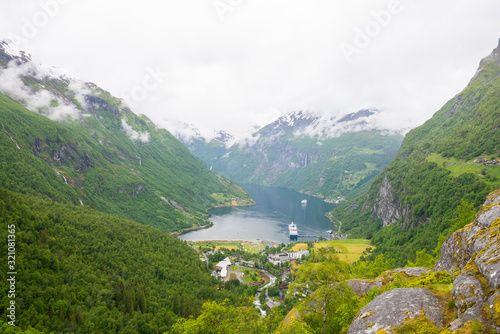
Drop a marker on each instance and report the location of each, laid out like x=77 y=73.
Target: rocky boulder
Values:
x=410 y=271
x=361 y=287
x=395 y=306
x=475 y=252
x=469 y=296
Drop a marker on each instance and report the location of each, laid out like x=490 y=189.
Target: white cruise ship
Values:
x=292 y=229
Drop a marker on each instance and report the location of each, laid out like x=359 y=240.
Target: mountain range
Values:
x=325 y=155
x=90 y=192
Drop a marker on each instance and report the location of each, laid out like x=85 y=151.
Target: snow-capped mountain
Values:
x=316 y=124
x=332 y=156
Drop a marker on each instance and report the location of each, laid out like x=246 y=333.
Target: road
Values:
x=272 y=280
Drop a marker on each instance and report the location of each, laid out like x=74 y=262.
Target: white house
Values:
x=223 y=267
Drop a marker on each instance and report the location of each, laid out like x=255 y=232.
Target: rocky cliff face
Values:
x=388 y=206
x=474 y=253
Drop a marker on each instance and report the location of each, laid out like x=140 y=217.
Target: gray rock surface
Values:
x=469 y=296
x=456 y=324
x=388 y=207
x=494 y=303
x=481 y=238
x=361 y=287
x=485 y=219
x=412 y=271
x=475 y=251
x=395 y=306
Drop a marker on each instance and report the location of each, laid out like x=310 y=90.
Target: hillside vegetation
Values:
x=103 y=155
x=439 y=164
x=349 y=250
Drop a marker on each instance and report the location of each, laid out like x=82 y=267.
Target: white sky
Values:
x=255 y=60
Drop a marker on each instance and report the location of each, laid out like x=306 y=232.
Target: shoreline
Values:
x=255 y=241
x=176 y=234
x=231 y=205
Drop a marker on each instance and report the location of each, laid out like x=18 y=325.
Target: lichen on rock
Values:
x=475 y=252
x=395 y=306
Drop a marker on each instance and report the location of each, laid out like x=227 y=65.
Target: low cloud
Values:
x=134 y=135
x=80 y=90
x=41 y=101
x=331 y=126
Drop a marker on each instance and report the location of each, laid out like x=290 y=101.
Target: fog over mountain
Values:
x=229 y=65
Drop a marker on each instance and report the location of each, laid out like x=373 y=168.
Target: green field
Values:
x=458 y=167
x=217 y=244
x=351 y=249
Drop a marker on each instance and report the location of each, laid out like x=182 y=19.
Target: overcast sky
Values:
x=231 y=64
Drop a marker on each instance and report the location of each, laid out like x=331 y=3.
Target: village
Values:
x=265 y=269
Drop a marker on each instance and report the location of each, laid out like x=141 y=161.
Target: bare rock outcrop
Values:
x=360 y=286
x=475 y=252
x=388 y=207
x=395 y=306
x=411 y=271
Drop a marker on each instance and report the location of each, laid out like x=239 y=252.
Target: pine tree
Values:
x=129 y=298
x=141 y=300
x=79 y=317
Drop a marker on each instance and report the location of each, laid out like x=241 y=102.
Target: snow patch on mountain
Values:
x=303 y=123
x=15 y=73
x=188 y=133
x=324 y=125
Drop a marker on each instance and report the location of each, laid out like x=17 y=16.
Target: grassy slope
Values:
x=351 y=249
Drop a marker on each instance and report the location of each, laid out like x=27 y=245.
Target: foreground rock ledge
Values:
x=393 y=307
x=474 y=251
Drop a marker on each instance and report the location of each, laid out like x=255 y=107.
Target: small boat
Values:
x=304 y=201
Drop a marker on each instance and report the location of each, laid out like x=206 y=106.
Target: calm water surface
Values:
x=268 y=219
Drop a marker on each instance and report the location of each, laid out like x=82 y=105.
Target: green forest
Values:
x=83 y=271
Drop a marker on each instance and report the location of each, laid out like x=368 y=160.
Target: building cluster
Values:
x=485 y=162
x=285 y=257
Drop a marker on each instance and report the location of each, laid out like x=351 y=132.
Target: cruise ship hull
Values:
x=292 y=230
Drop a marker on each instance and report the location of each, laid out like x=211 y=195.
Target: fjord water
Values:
x=269 y=218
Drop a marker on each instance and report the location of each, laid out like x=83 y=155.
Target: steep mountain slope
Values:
x=99 y=152
x=327 y=156
x=452 y=156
